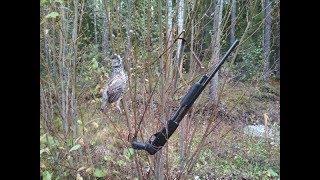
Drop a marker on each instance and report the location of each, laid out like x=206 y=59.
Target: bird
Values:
x=115 y=87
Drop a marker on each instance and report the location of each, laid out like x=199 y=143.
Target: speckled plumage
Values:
x=116 y=85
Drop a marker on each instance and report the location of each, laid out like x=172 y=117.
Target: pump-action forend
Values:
x=158 y=140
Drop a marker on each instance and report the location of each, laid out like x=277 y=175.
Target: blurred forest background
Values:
x=232 y=131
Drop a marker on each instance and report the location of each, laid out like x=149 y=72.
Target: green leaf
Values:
x=107 y=158
x=52 y=15
x=128 y=153
x=43 y=138
x=47 y=175
x=50 y=141
x=77 y=146
x=43 y=2
x=95 y=63
x=47 y=150
x=99 y=173
x=271 y=173
x=59 y=1
x=121 y=163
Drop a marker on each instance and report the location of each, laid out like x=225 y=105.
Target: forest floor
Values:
x=230 y=153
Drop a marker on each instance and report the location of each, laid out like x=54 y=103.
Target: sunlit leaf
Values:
x=77 y=146
x=99 y=173
x=128 y=153
x=89 y=169
x=47 y=150
x=47 y=175
x=121 y=163
x=59 y=1
x=43 y=138
x=271 y=173
x=107 y=158
x=43 y=2
x=79 y=122
x=95 y=125
x=82 y=168
x=79 y=177
x=52 y=15
x=95 y=64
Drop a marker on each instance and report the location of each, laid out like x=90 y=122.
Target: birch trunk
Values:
x=105 y=36
x=159 y=156
x=233 y=21
x=73 y=102
x=216 y=36
x=266 y=38
x=63 y=71
x=178 y=59
x=169 y=60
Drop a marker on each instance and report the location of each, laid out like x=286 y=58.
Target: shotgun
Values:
x=158 y=140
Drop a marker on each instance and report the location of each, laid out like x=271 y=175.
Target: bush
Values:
x=249 y=63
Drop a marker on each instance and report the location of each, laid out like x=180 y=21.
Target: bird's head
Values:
x=116 y=61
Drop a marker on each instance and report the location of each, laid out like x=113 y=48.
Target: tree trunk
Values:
x=233 y=21
x=276 y=35
x=63 y=71
x=169 y=39
x=149 y=46
x=178 y=59
x=159 y=174
x=95 y=24
x=73 y=102
x=105 y=36
x=216 y=36
x=266 y=38
x=167 y=73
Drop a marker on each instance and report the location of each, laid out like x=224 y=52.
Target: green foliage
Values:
x=94 y=67
x=257 y=150
x=121 y=162
x=46 y=2
x=240 y=161
x=99 y=173
x=77 y=146
x=59 y=1
x=48 y=140
x=128 y=153
x=43 y=2
x=251 y=162
x=47 y=175
x=249 y=63
x=271 y=173
x=45 y=150
x=107 y=158
x=52 y=15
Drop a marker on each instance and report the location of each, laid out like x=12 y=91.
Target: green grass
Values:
x=251 y=161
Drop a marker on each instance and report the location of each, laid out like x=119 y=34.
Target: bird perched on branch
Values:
x=115 y=87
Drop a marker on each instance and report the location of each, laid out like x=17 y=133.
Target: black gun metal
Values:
x=158 y=140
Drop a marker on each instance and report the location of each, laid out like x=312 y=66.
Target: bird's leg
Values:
x=118 y=105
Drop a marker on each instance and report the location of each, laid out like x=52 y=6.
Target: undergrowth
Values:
x=106 y=152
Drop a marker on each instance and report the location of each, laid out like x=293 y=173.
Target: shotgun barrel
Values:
x=158 y=140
